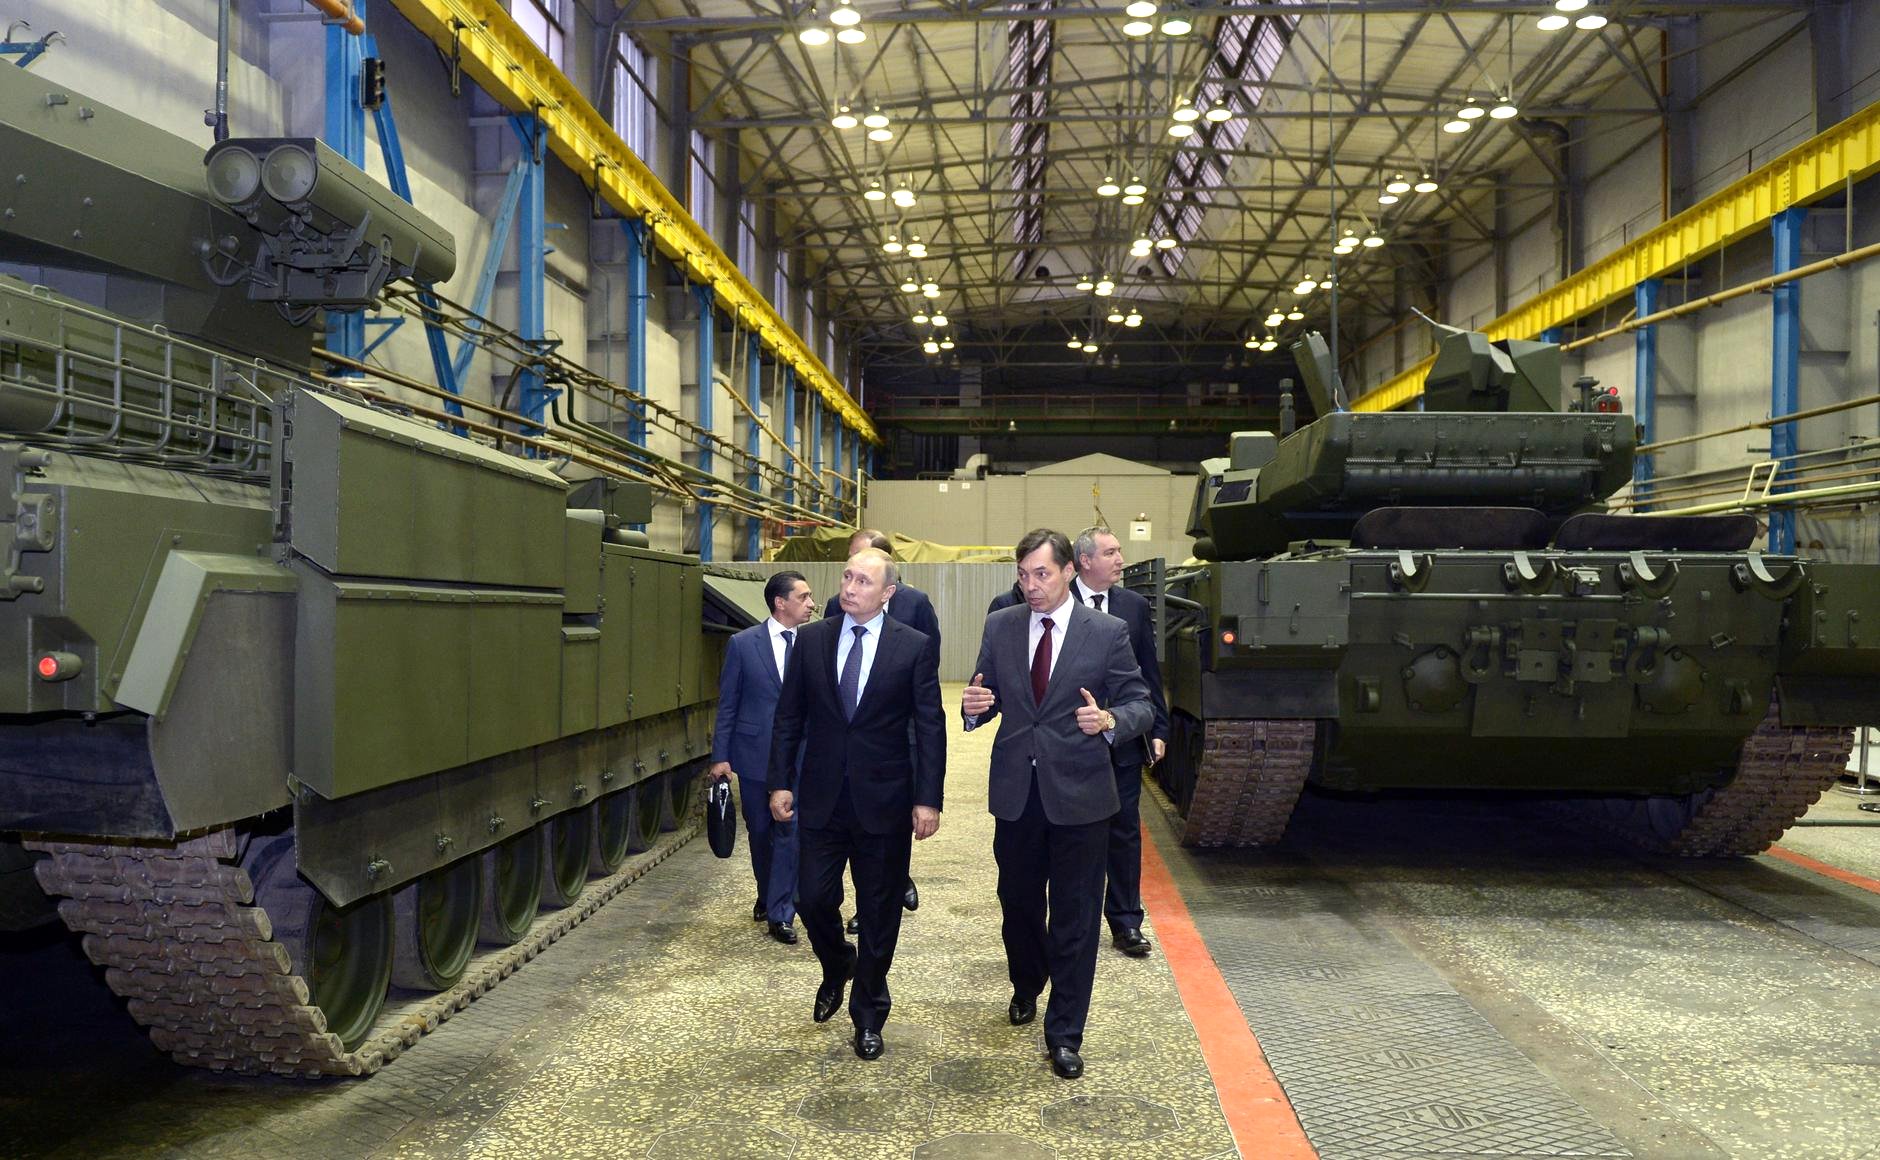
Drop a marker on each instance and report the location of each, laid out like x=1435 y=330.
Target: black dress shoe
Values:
x=828 y=999
x=854 y=925
x=757 y=911
x=1131 y=942
x=868 y=1044
x=1022 y=1011
x=911 y=899
x=784 y=933
x=1067 y=1063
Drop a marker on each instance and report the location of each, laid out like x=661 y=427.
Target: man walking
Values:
x=1063 y=680
x=1099 y=585
x=854 y=688
x=748 y=685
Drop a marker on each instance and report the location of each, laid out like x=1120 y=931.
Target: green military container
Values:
x=300 y=698
x=1438 y=599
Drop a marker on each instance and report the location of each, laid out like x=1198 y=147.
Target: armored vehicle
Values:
x=301 y=698
x=1438 y=599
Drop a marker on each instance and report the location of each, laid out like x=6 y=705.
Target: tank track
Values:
x=1250 y=777
x=179 y=937
x=1780 y=772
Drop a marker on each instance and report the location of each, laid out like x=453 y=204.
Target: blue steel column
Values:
x=1785 y=391
x=812 y=430
x=792 y=444
x=637 y=263
x=707 y=339
x=345 y=133
x=1645 y=381
x=531 y=259
x=754 y=399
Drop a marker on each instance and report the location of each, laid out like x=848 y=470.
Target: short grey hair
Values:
x=890 y=571
x=1087 y=542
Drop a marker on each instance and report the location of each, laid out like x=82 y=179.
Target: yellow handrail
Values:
x=1821 y=165
x=499 y=56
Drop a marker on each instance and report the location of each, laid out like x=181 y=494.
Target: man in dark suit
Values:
x=910 y=606
x=1006 y=599
x=1099 y=585
x=748 y=685
x=1063 y=681
x=854 y=687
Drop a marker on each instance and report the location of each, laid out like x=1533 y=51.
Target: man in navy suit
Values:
x=747 y=701
x=910 y=606
x=855 y=688
x=1099 y=585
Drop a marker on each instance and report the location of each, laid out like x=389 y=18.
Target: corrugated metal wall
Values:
x=960 y=593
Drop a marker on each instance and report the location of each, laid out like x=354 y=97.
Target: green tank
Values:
x=301 y=699
x=1438 y=599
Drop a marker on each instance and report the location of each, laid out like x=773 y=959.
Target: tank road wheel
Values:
x=613 y=832
x=345 y=953
x=437 y=918
x=512 y=887
x=649 y=806
x=566 y=844
x=681 y=797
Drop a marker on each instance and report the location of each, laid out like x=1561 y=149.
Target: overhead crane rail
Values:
x=481 y=37
x=1824 y=164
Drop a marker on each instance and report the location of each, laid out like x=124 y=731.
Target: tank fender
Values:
x=170 y=623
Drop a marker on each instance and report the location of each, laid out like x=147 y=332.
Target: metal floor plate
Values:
x=1381 y=1058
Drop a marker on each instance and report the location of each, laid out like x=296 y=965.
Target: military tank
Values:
x=1438 y=599
x=304 y=702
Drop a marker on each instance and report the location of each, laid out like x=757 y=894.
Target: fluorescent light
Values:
x=1140 y=9
x=843 y=118
x=1180 y=129
x=1219 y=112
x=1427 y=185
x=1455 y=126
x=814 y=37
x=844 y=16
x=1397 y=184
x=851 y=36
x=1165 y=243
x=1132 y=199
x=1108 y=188
x=881 y=134
x=1503 y=110
x=876 y=119
x=1551 y=23
x=1135 y=189
x=1176 y=26
x=939 y=321
x=1590 y=22
x=1138 y=28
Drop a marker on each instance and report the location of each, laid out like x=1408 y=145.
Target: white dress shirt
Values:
x=1060 y=624
x=1082 y=595
x=871 y=641
x=777 y=642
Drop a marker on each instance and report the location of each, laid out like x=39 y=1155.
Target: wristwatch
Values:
x=1109 y=721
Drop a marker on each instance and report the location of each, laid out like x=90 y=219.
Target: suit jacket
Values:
x=1132 y=608
x=1075 y=781
x=1005 y=599
x=747 y=700
x=908 y=605
x=887 y=777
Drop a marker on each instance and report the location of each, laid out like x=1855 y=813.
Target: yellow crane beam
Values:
x=1825 y=163
x=499 y=56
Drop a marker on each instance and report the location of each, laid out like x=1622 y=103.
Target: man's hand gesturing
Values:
x=1093 y=718
x=976 y=699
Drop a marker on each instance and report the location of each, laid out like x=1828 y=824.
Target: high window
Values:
x=546 y=23
x=634 y=80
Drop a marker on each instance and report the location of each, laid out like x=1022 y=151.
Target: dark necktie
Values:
x=789 y=642
x=1096 y=601
x=851 y=682
x=1041 y=664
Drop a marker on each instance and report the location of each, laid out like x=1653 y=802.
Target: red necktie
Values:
x=1041 y=664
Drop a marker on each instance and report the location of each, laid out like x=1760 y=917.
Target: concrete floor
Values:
x=1506 y=988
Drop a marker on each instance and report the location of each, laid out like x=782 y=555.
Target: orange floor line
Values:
x=1822 y=868
x=1258 y=1113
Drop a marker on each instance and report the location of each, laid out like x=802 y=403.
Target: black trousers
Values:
x=1051 y=891
x=879 y=865
x=1122 y=898
x=773 y=852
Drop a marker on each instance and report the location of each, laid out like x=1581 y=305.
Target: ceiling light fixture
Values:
x=1275 y=318
x=916 y=248
x=1086 y=284
x=1175 y=23
x=1180 y=129
x=1295 y=315
x=1455 y=126
x=1373 y=240
x=1186 y=111
x=1165 y=243
x=813 y=35
x=1109 y=188
x=1133 y=320
x=920 y=318
x=1114 y=316
x=1104 y=288
x=946 y=344
x=1135 y=188
x=1591 y=22
x=892 y=245
x=1503 y=109
x=851 y=36
x=1218 y=112
x=1397 y=184
x=883 y=134
x=1140 y=9
x=930 y=291
x=844 y=119
x=939 y=321
x=910 y=287
x=876 y=119
x=1552 y=22
x=1252 y=343
x=1472 y=111
x=1569 y=5
x=1090 y=348
x=844 y=15
x=1132 y=199
x=1270 y=343
x=1075 y=344
x=1427 y=185
x=1306 y=286
x=1138 y=28
x=904 y=197
x=930 y=346
x=874 y=192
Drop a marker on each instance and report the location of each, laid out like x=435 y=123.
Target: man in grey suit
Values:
x=748 y=685
x=1064 y=681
